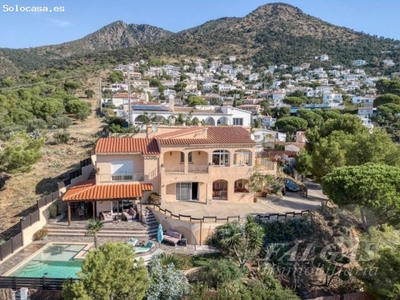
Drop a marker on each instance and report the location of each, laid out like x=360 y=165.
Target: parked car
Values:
x=291 y=185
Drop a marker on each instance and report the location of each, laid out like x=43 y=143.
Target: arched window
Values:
x=241 y=186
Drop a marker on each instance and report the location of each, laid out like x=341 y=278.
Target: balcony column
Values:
x=186 y=163
x=69 y=213
x=209 y=189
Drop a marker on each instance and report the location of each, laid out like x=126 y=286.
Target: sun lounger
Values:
x=132 y=241
x=145 y=248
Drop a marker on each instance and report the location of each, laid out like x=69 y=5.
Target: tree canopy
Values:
x=166 y=282
x=242 y=242
x=194 y=100
x=291 y=124
x=294 y=101
x=386 y=98
x=20 y=153
x=109 y=272
x=344 y=141
x=381 y=263
x=313 y=119
x=386 y=86
x=372 y=187
x=385 y=282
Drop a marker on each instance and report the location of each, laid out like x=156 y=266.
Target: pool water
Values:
x=55 y=261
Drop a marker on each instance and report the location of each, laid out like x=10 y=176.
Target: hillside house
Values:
x=181 y=164
x=359 y=63
x=367 y=112
x=365 y=101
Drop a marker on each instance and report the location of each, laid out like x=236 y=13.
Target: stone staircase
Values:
x=149 y=219
x=144 y=231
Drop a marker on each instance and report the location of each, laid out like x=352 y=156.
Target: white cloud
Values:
x=59 y=23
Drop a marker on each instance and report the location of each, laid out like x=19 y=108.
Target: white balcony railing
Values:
x=121 y=178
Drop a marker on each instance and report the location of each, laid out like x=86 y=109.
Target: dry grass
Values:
x=24 y=189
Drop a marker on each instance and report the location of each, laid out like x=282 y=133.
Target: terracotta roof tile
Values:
x=215 y=135
x=90 y=191
x=127 y=145
x=179 y=132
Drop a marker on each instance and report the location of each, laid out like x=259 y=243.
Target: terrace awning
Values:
x=89 y=191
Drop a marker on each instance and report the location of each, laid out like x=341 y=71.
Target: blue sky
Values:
x=81 y=17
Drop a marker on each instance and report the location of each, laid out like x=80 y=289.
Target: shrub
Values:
x=154 y=198
x=36 y=124
x=41 y=234
x=220 y=271
x=180 y=261
x=62 y=122
x=53 y=211
x=61 y=137
x=82 y=115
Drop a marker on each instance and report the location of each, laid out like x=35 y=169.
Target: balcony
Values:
x=107 y=178
x=199 y=169
x=196 y=169
x=175 y=169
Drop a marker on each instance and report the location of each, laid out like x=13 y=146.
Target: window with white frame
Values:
x=220 y=158
x=238 y=121
x=121 y=170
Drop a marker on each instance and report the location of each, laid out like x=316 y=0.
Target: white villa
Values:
x=209 y=114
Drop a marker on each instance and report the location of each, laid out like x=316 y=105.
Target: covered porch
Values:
x=106 y=201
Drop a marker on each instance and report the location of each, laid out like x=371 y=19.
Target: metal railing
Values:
x=42 y=283
x=216 y=219
x=199 y=169
x=175 y=169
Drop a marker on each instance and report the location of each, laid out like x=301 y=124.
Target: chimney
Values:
x=171 y=102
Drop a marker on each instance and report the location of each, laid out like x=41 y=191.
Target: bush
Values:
x=180 y=261
x=154 y=198
x=220 y=271
x=166 y=282
x=61 y=137
x=82 y=115
x=62 y=122
x=53 y=211
x=36 y=124
x=41 y=234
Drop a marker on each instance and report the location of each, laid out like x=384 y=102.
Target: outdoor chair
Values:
x=133 y=241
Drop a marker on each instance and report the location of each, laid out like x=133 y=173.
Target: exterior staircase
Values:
x=92 y=175
x=144 y=231
x=149 y=219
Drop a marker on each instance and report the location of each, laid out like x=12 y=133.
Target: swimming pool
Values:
x=54 y=261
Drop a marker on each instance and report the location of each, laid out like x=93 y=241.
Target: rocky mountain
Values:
x=274 y=33
x=280 y=33
x=113 y=36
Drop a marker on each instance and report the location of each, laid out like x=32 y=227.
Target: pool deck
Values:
x=22 y=255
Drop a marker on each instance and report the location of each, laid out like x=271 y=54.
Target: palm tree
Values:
x=241 y=241
x=93 y=227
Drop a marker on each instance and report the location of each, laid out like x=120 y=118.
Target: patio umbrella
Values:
x=160 y=233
